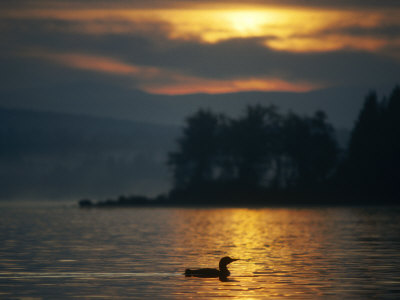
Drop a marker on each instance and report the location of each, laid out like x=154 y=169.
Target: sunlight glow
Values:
x=288 y=29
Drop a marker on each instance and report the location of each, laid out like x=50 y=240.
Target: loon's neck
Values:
x=224 y=270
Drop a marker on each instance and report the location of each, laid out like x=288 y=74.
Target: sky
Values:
x=157 y=61
x=186 y=47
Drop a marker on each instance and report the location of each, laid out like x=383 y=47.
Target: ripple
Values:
x=14 y=275
x=55 y=253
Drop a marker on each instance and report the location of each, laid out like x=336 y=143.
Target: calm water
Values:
x=67 y=252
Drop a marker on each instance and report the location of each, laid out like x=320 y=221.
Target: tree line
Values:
x=265 y=157
x=264 y=150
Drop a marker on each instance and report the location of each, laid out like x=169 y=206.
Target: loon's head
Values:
x=226 y=261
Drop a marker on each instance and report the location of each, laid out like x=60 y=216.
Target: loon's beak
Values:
x=235 y=259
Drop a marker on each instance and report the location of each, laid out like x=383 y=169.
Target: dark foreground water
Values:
x=67 y=252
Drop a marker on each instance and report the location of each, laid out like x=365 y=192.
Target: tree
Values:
x=309 y=150
x=390 y=145
x=194 y=162
x=366 y=130
x=363 y=153
x=260 y=149
x=371 y=167
x=250 y=144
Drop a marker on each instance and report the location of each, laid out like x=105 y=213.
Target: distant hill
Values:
x=341 y=104
x=56 y=155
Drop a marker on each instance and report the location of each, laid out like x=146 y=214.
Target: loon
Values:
x=223 y=271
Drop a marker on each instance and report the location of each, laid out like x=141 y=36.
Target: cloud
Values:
x=231 y=66
x=214 y=25
x=163 y=81
x=93 y=63
x=181 y=51
x=192 y=85
x=87 y=62
x=197 y=3
x=250 y=58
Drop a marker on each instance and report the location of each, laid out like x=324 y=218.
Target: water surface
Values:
x=54 y=252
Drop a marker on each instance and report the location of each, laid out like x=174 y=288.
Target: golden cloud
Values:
x=289 y=29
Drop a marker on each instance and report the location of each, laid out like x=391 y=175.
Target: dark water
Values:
x=66 y=252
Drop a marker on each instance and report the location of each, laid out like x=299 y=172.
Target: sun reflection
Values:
x=277 y=243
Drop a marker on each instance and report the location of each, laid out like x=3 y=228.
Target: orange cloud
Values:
x=185 y=85
x=94 y=63
x=327 y=43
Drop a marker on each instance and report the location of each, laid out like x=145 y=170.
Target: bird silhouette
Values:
x=222 y=272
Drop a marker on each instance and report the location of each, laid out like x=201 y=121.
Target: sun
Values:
x=248 y=23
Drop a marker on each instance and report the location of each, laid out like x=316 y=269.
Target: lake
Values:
x=63 y=252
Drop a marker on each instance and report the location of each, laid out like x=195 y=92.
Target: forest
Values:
x=265 y=157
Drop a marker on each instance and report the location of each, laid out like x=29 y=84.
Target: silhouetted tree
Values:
x=259 y=149
x=371 y=167
x=309 y=150
x=366 y=131
x=194 y=162
x=386 y=161
x=365 y=145
x=251 y=144
x=391 y=145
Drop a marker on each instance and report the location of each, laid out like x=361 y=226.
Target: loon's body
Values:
x=223 y=271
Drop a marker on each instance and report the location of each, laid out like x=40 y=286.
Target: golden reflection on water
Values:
x=294 y=253
x=259 y=238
